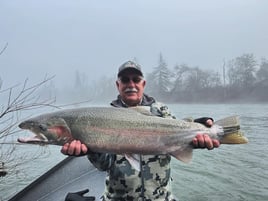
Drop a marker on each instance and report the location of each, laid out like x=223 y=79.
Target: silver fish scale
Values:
x=122 y=130
x=109 y=127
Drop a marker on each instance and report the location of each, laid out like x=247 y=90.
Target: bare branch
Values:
x=5 y=47
x=20 y=98
x=26 y=100
x=18 y=101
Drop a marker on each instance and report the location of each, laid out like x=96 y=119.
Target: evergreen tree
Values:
x=160 y=78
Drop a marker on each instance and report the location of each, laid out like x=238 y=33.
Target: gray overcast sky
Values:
x=58 y=37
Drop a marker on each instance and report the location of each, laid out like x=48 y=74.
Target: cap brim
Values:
x=129 y=70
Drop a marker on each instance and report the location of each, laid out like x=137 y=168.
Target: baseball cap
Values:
x=129 y=65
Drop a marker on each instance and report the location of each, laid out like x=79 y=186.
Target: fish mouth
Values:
x=35 y=139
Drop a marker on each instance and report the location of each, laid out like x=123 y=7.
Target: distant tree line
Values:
x=242 y=79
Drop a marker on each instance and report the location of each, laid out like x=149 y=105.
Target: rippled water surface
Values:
x=230 y=173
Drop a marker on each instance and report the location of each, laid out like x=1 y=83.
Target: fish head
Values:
x=47 y=131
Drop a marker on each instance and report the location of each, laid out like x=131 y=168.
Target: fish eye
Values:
x=42 y=127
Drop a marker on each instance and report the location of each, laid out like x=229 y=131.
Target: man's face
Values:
x=131 y=87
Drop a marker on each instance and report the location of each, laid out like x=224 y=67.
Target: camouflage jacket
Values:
x=123 y=182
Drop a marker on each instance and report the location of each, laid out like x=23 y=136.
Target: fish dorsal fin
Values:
x=145 y=110
x=229 y=122
x=188 y=119
x=185 y=155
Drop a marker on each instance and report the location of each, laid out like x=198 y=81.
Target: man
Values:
x=123 y=182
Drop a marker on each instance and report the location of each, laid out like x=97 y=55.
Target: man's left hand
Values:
x=204 y=141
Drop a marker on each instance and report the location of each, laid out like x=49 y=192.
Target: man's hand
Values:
x=204 y=141
x=79 y=196
x=206 y=121
x=75 y=148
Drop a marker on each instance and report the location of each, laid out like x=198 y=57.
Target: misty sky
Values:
x=58 y=37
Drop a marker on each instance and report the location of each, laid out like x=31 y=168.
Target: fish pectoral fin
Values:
x=185 y=155
x=134 y=161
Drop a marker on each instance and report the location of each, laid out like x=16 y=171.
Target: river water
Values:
x=229 y=173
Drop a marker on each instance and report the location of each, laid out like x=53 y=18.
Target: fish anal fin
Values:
x=184 y=155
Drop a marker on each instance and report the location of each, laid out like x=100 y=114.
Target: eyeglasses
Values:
x=126 y=80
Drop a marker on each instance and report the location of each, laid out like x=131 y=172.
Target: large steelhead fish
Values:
x=127 y=131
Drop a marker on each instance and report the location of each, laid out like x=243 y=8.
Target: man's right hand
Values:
x=74 y=148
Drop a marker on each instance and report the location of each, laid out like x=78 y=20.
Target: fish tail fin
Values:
x=231 y=131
